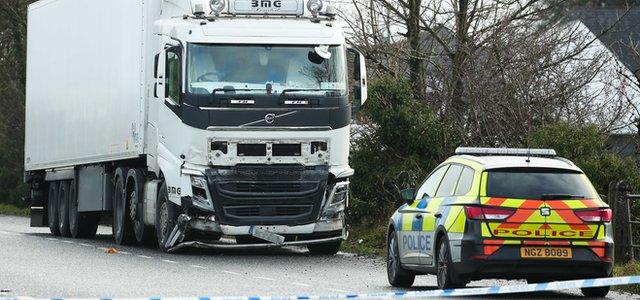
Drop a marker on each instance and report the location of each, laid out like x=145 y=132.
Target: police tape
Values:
x=481 y=291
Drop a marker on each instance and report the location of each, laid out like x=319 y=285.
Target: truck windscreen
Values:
x=257 y=69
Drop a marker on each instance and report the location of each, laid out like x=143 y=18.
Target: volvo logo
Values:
x=270 y=118
x=545 y=211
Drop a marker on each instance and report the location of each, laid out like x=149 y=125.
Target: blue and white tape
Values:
x=483 y=291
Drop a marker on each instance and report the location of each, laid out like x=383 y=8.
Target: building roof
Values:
x=618 y=29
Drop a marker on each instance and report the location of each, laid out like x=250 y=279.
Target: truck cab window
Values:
x=173 y=75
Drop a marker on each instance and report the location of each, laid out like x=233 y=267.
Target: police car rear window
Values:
x=545 y=184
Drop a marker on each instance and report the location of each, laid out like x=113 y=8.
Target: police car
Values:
x=501 y=213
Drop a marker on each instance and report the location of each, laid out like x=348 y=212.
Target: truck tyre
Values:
x=135 y=197
x=166 y=217
x=447 y=278
x=330 y=248
x=396 y=274
x=81 y=225
x=122 y=224
x=52 y=208
x=63 y=208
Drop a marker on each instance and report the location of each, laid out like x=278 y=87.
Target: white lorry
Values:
x=206 y=123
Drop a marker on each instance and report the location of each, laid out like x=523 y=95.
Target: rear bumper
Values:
x=506 y=263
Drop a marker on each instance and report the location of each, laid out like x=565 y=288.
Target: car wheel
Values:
x=52 y=208
x=166 y=217
x=398 y=276
x=122 y=224
x=446 y=276
x=63 y=209
x=596 y=292
x=325 y=248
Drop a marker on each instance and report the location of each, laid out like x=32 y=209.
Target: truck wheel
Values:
x=330 y=248
x=396 y=274
x=52 y=208
x=63 y=208
x=135 y=197
x=122 y=225
x=166 y=216
x=81 y=225
x=447 y=278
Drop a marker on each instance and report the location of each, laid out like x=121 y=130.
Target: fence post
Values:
x=621 y=234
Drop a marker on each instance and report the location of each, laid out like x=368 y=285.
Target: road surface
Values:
x=34 y=263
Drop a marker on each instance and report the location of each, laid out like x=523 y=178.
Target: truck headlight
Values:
x=217 y=6
x=337 y=201
x=314 y=6
x=201 y=196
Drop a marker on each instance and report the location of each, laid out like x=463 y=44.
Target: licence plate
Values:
x=546 y=252
x=266 y=235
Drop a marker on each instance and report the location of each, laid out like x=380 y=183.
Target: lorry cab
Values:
x=501 y=213
x=230 y=118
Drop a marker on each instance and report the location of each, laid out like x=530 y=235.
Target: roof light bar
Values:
x=506 y=151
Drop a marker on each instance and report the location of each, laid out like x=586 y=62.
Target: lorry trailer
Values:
x=205 y=123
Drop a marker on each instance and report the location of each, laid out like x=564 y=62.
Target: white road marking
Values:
x=124 y=252
x=264 y=278
x=232 y=273
x=300 y=284
x=339 y=291
x=69 y=242
x=85 y=245
x=52 y=239
x=169 y=261
x=143 y=256
x=198 y=266
x=103 y=248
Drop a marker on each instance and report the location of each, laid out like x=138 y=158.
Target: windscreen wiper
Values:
x=284 y=92
x=235 y=90
x=560 y=196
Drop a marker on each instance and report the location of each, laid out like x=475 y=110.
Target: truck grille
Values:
x=267 y=194
x=269 y=211
x=268 y=187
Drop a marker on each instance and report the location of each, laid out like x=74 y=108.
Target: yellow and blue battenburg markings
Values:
x=480 y=291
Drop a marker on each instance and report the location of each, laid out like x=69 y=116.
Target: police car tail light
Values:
x=600 y=215
x=488 y=213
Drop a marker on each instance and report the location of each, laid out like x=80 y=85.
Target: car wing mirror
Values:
x=408 y=195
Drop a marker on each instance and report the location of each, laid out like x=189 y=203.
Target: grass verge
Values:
x=8 y=209
x=366 y=240
x=628 y=269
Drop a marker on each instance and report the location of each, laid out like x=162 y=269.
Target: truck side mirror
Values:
x=360 y=77
x=408 y=195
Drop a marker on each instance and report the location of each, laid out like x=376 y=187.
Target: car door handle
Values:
x=438 y=215
x=418 y=216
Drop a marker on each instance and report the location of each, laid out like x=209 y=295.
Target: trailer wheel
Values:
x=63 y=208
x=330 y=248
x=135 y=197
x=122 y=224
x=52 y=208
x=166 y=216
x=81 y=225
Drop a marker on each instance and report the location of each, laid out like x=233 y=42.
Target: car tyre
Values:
x=445 y=274
x=166 y=217
x=63 y=209
x=330 y=248
x=122 y=223
x=397 y=276
x=52 y=208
